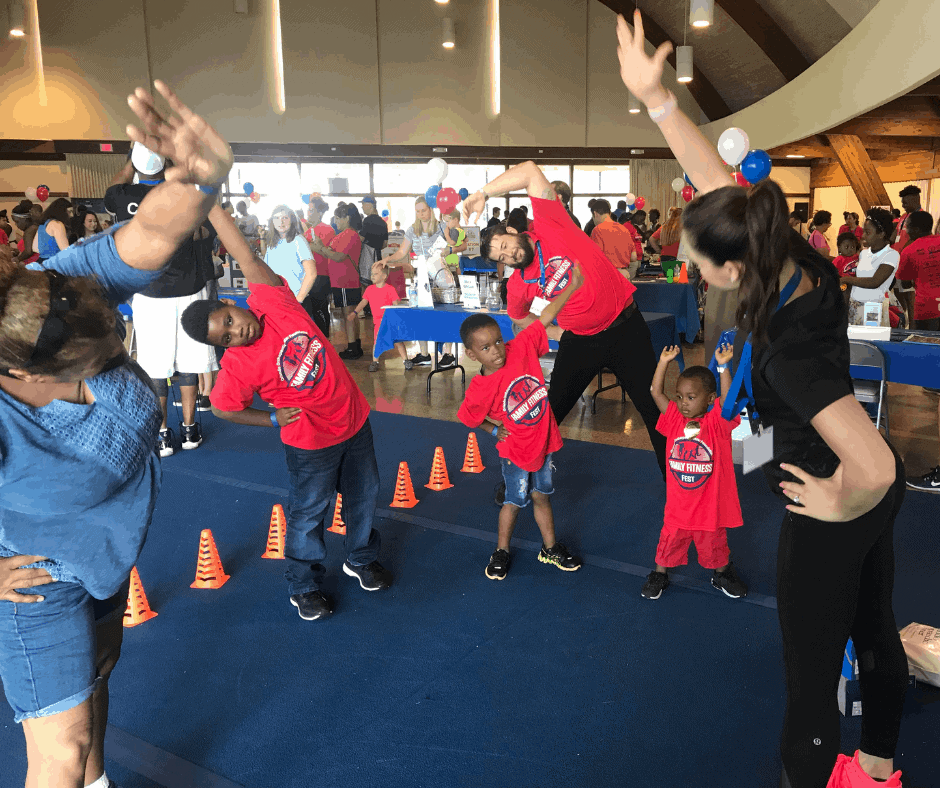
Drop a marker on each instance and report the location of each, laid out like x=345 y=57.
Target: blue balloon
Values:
x=430 y=196
x=463 y=193
x=756 y=166
x=631 y=207
x=688 y=181
x=249 y=188
x=306 y=199
x=385 y=214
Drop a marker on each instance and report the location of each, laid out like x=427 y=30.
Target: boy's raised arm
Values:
x=658 y=388
x=255 y=269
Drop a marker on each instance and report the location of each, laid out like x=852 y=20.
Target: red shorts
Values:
x=711 y=546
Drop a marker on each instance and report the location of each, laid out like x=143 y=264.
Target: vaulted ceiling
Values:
x=753 y=47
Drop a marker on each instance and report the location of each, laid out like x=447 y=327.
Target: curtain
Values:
x=652 y=179
x=90 y=174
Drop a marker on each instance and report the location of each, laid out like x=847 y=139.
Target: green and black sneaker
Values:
x=560 y=557
x=498 y=566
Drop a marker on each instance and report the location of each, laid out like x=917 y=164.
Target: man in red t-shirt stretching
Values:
x=275 y=350
x=600 y=326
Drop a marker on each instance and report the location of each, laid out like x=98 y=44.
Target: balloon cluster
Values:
x=735 y=149
x=684 y=187
x=40 y=192
x=634 y=203
x=250 y=192
x=445 y=199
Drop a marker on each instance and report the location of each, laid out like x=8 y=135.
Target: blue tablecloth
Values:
x=442 y=324
x=469 y=265
x=675 y=299
x=913 y=363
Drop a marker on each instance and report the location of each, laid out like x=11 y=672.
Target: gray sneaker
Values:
x=374 y=366
x=409 y=364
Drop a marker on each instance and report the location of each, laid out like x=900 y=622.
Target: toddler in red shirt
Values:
x=510 y=397
x=849 y=247
x=701 y=491
x=379 y=295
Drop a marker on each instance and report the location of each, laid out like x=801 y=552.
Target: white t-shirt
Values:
x=286 y=259
x=868 y=263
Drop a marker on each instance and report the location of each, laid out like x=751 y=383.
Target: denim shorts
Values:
x=48 y=649
x=520 y=483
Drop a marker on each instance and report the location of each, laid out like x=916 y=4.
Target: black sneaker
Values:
x=498 y=566
x=421 y=361
x=352 y=352
x=929 y=482
x=559 y=556
x=729 y=582
x=656 y=583
x=191 y=436
x=447 y=360
x=372 y=577
x=499 y=494
x=165 y=443
x=312 y=605
x=203 y=404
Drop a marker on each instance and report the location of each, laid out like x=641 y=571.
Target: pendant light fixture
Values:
x=448 y=27
x=17 y=9
x=701 y=13
x=634 y=105
x=684 y=58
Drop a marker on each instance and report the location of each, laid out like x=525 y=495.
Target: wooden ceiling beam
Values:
x=768 y=35
x=931 y=88
x=704 y=93
x=890 y=127
x=859 y=169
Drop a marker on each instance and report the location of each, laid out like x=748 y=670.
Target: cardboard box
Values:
x=850 y=697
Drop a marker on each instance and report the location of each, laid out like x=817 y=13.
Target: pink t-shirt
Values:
x=818 y=241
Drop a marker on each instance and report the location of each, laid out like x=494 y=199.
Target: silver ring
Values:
x=796 y=499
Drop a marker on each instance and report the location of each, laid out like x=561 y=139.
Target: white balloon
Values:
x=733 y=145
x=630 y=198
x=678 y=185
x=438 y=168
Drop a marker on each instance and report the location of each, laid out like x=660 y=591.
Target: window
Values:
x=316 y=177
x=581 y=210
x=401 y=179
x=553 y=172
x=598 y=179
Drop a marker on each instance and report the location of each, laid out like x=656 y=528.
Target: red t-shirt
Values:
x=4 y=238
x=345 y=273
x=903 y=238
x=605 y=292
x=920 y=263
x=670 y=250
x=615 y=241
x=845 y=229
x=292 y=365
x=637 y=238
x=846 y=265
x=517 y=396
x=326 y=234
x=379 y=298
x=701 y=491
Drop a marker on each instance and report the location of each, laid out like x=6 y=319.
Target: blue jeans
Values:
x=348 y=468
x=520 y=483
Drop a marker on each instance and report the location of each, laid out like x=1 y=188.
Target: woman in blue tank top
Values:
x=52 y=235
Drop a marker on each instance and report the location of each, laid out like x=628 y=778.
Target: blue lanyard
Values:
x=541 y=279
x=732 y=406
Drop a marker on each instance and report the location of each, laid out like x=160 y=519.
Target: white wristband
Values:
x=722 y=368
x=664 y=110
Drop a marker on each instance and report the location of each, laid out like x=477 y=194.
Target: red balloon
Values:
x=640 y=203
x=741 y=180
x=42 y=192
x=447 y=200
x=688 y=193
x=254 y=197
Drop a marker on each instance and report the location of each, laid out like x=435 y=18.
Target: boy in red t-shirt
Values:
x=377 y=296
x=510 y=397
x=849 y=248
x=701 y=491
x=920 y=269
x=275 y=350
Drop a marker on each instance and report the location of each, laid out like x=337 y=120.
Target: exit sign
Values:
x=106 y=147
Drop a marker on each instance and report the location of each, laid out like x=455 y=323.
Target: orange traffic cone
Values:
x=471 y=458
x=439 y=480
x=138 y=609
x=209 y=572
x=276 y=533
x=338 y=527
x=683 y=274
x=404 y=492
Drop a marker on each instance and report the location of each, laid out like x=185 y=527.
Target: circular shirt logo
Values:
x=691 y=463
x=301 y=361
x=557 y=276
x=526 y=400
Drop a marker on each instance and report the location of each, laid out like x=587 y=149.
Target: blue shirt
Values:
x=78 y=483
x=47 y=245
x=285 y=260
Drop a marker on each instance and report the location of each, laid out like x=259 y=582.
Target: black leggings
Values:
x=835 y=580
x=317 y=304
x=627 y=350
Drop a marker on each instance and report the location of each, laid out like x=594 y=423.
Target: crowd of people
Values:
x=76 y=408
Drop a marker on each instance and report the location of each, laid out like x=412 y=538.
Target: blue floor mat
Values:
x=449 y=679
